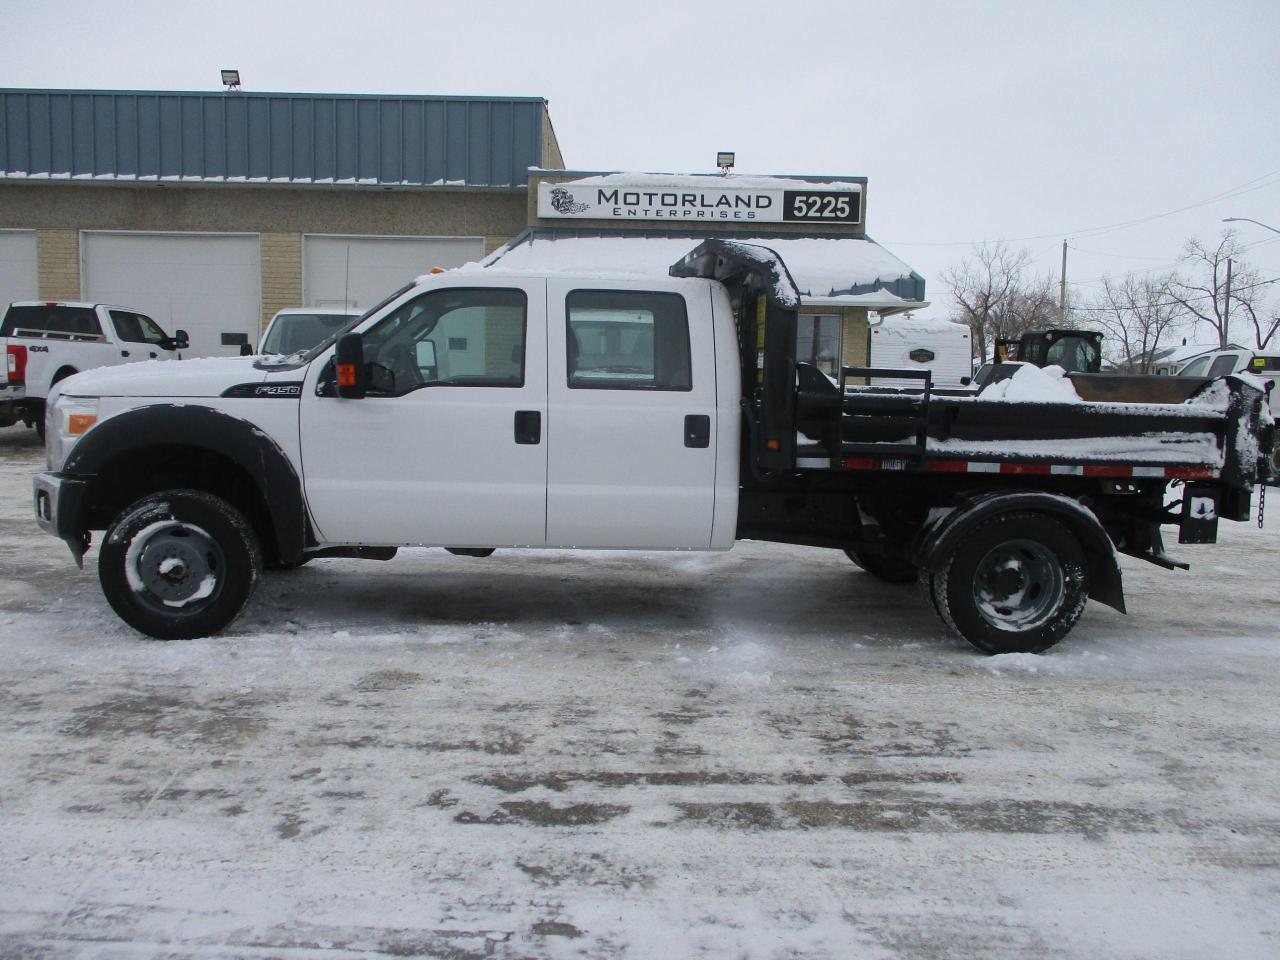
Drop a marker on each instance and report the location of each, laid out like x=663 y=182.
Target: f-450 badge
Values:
x=252 y=390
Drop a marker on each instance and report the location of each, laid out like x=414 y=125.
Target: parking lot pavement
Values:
x=763 y=753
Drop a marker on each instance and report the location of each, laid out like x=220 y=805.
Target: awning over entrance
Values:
x=835 y=271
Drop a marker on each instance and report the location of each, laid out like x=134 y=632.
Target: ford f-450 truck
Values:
x=478 y=409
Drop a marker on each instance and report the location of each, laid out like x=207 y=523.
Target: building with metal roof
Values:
x=211 y=211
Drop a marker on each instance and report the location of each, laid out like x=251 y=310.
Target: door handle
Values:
x=124 y=353
x=528 y=426
x=697 y=430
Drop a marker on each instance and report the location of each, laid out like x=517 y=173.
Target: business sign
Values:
x=728 y=203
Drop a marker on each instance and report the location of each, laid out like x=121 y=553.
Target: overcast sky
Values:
x=1031 y=122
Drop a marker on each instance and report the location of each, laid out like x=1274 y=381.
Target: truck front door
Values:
x=632 y=423
x=449 y=447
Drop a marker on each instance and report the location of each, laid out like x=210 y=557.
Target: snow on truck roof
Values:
x=826 y=271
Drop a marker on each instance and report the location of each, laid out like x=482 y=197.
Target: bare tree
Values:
x=1202 y=293
x=997 y=297
x=1135 y=314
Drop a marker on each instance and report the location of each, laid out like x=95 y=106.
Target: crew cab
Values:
x=46 y=342
x=478 y=409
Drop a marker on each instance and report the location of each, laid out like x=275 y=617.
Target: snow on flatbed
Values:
x=763 y=753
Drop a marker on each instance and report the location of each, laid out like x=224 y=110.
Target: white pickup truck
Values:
x=46 y=342
x=479 y=408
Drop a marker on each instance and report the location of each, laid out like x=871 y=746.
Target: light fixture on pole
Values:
x=1250 y=220
x=231 y=79
x=724 y=160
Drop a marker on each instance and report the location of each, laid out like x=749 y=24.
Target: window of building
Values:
x=818 y=339
x=628 y=340
x=458 y=338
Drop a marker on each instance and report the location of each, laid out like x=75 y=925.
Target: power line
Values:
x=1246 y=187
x=1175 y=303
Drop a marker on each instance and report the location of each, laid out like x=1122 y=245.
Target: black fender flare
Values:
x=1106 y=582
x=203 y=428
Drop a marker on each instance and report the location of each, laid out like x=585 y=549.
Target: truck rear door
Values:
x=631 y=427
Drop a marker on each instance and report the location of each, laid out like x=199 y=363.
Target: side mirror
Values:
x=180 y=340
x=246 y=350
x=349 y=364
x=965 y=381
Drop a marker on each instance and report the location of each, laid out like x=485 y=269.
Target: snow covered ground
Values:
x=764 y=753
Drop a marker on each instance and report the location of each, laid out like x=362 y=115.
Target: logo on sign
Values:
x=563 y=202
x=921 y=355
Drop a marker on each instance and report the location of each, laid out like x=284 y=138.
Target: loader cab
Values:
x=1075 y=351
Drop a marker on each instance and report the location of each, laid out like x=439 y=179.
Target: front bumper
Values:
x=59 y=503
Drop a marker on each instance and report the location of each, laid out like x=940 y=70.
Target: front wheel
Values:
x=1016 y=584
x=179 y=564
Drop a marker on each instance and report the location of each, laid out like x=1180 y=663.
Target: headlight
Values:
x=66 y=421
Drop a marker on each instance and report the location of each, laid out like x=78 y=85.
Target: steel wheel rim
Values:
x=179 y=567
x=1018 y=585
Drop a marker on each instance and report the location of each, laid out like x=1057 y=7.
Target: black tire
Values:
x=179 y=564
x=40 y=428
x=1016 y=584
x=888 y=569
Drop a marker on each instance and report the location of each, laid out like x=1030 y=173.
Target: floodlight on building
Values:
x=231 y=79
x=724 y=160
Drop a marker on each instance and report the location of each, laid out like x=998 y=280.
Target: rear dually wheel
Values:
x=1017 y=584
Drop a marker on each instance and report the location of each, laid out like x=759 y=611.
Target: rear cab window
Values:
x=627 y=340
x=52 y=322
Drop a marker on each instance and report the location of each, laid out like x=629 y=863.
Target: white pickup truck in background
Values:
x=46 y=342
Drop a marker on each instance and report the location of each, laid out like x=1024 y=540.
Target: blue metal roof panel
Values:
x=269 y=138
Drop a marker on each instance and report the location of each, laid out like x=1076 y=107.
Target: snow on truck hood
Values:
x=203 y=377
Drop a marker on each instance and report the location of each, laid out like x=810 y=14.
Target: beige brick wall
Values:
x=855 y=337
x=495 y=214
x=58 y=264
x=281 y=255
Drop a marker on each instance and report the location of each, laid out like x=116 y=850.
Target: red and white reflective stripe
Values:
x=1024 y=468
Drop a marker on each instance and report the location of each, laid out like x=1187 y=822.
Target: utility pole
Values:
x=1226 y=309
x=1062 y=289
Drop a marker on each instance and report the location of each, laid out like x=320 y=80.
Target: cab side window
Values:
x=449 y=338
x=1224 y=365
x=627 y=340
x=1195 y=368
x=135 y=328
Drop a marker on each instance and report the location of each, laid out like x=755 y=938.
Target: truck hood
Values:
x=205 y=377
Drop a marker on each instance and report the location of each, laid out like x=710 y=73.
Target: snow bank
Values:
x=1033 y=385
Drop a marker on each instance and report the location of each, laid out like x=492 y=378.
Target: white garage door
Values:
x=17 y=267
x=360 y=271
x=206 y=284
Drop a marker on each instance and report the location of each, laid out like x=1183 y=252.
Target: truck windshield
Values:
x=135 y=328
x=335 y=334
x=291 y=332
